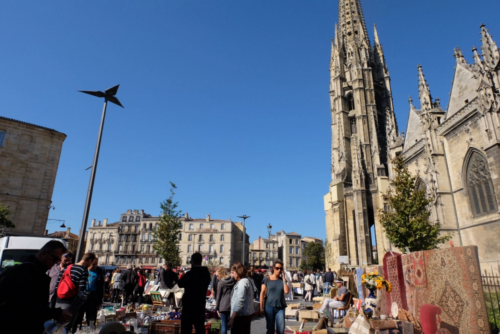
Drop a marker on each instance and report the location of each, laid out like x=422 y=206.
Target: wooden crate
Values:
x=165 y=327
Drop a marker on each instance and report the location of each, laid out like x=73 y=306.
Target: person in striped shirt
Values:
x=79 y=276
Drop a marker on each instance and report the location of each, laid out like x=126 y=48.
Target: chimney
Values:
x=99 y=223
x=105 y=223
x=208 y=218
x=186 y=216
x=93 y=223
x=46 y=232
x=67 y=231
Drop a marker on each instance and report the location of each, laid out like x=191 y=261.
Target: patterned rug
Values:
x=453 y=282
x=359 y=273
x=409 y=279
x=393 y=272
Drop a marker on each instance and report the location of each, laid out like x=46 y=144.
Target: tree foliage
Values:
x=406 y=222
x=315 y=253
x=4 y=213
x=167 y=234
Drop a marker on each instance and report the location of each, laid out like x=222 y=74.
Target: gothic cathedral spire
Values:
x=363 y=133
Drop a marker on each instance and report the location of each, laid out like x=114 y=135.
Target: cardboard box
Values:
x=308 y=314
x=317 y=306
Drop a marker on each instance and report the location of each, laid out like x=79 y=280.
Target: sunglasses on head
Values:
x=278 y=268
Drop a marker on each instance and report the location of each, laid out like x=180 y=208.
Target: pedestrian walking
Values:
x=28 y=282
x=195 y=284
x=73 y=280
x=118 y=285
x=319 y=282
x=308 y=286
x=272 y=299
x=168 y=278
x=242 y=308
x=214 y=283
x=329 y=277
x=130 y=281
x=95 y=287
x=139 y=288
x=223 y=301
x=257 y=279
x=56 y=269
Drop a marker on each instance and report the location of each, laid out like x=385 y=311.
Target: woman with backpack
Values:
x=272 y=299
x=223 y=302
x=118 y=285
x=139 y=287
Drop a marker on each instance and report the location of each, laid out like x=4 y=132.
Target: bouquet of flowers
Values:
x=374 y=281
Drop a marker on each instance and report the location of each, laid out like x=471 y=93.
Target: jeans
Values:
x=327 y=287
x=224 y=317
x=275 y=315
x=331 y=303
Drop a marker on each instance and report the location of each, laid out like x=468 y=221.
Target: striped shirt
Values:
x=79 y=276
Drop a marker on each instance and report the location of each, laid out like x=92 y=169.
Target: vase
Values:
x=372 y=293
x=372 y=304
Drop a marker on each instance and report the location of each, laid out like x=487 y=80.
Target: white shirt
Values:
x=312 y=278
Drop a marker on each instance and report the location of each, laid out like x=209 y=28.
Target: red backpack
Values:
x=142 y=281
x=66 y=288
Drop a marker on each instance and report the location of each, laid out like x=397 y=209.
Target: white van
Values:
x=16 y=249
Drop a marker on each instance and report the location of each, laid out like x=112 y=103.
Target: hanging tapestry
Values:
x=456 y=287
x=393 y=272
x=409 y=279
x=359 y=285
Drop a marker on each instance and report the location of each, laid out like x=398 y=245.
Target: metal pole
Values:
x=91 y=186
x=243 y=262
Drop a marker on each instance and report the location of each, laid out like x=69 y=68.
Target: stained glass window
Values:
x=480 y=186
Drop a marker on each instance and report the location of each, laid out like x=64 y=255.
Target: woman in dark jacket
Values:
x=223 y=301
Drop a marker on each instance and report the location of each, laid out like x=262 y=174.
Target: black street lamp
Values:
x=244 y=217
x=269 y=228
x=109 y=95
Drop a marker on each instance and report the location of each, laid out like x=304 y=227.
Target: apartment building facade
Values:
x=132 y=240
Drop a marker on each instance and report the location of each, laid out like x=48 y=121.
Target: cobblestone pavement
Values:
x=259 y=323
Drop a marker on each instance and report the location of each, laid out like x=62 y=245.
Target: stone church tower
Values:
x=364 y=131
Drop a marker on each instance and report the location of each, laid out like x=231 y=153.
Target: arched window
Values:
x=479 y=185
x=420 y=185
x=350 y=102
x=190 y=238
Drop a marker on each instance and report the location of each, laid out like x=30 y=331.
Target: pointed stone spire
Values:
x=477 y=58
x=459 y=56
x=410 y=101
x=375 y=33
x=352 y=21
x=423 y=91
x=490 y=50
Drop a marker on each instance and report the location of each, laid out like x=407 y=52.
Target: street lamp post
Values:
x=244 y=217
x=269 y=228
x=109 y=95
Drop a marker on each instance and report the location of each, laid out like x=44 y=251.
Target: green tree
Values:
x=167 y=233
x=315 y=254
x=4 y=213
x=406 y=222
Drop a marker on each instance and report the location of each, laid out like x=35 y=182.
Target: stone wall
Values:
x=29 y=158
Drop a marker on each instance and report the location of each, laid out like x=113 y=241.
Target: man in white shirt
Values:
x=312 y=278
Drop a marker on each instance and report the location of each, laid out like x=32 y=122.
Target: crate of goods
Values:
x=165 y=327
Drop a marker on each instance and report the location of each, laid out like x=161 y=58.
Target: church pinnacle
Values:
x=351 y=20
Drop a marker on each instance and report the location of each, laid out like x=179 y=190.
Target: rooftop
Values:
x=26 y=123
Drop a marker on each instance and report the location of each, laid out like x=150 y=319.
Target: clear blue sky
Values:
x=228 y=99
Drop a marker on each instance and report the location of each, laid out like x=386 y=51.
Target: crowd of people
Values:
x=47 y=284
